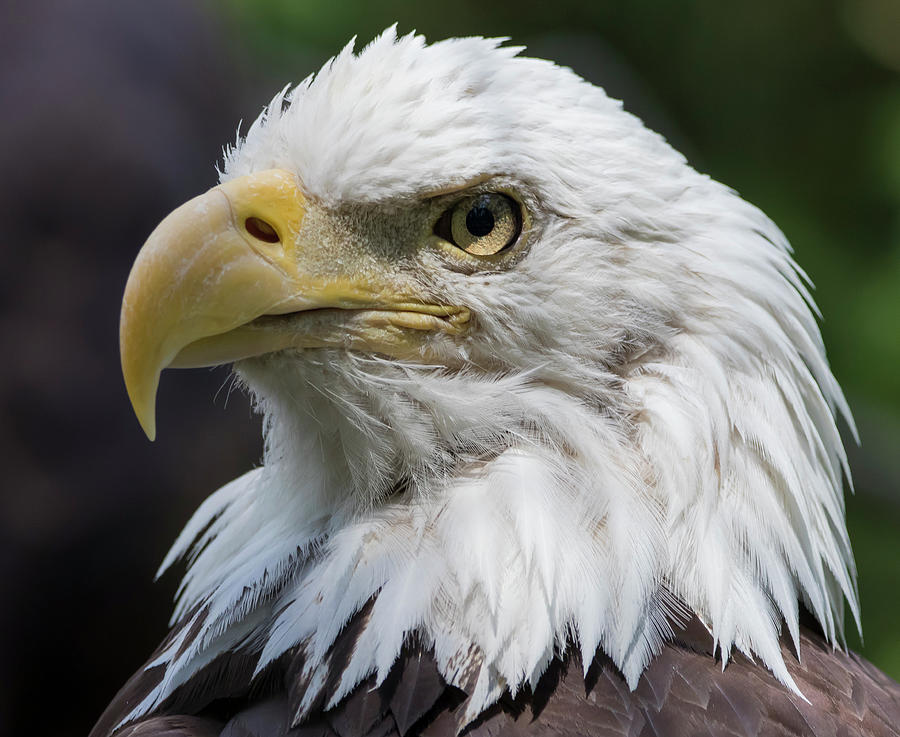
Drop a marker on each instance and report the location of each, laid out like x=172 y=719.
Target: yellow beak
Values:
x=209 y=283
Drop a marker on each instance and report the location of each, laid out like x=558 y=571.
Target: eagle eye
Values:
x=481 y=224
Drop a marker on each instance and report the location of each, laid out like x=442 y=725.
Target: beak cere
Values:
x=219 y=280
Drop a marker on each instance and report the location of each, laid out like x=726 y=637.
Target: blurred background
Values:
x=115 y=112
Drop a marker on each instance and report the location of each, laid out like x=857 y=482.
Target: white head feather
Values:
x=644 y=416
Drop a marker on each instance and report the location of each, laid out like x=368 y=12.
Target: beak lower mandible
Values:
x=215 y=263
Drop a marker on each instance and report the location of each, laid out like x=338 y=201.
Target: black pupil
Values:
x=479 y=221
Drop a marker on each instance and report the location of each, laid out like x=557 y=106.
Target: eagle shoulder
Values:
x=684 y=691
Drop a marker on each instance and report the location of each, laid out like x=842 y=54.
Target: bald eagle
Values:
x=550 y=434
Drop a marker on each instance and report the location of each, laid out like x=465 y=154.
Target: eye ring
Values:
x=481 y=224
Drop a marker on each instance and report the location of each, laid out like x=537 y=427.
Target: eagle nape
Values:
x=551 y=440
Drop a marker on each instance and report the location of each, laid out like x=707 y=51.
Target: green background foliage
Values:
x=794 y=104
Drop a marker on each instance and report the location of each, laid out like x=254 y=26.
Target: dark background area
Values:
x=115 y=111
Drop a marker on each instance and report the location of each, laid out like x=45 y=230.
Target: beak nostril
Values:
x=261 y=230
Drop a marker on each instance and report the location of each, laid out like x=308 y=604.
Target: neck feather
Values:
x=509 y=518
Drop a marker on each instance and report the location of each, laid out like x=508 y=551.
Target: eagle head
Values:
x=529 y=382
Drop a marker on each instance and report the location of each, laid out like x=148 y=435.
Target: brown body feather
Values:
x=683 y=692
